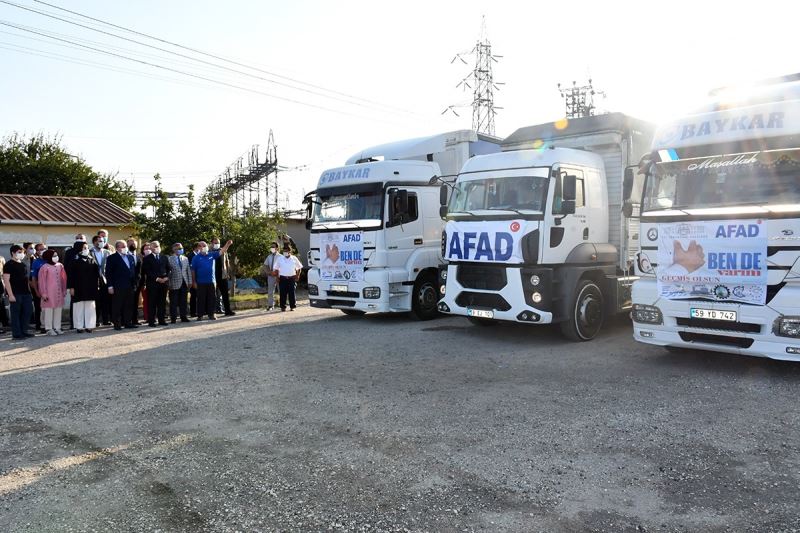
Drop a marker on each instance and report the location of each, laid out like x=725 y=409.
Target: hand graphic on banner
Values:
x=332 y=252
x=691 y=259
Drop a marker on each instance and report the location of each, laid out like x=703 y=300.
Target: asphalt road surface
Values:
x=314 y=421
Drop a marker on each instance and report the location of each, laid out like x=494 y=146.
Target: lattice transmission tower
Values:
x=481 y=82
x=579 y=100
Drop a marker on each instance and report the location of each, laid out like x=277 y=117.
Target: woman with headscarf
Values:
x=53 y=291
x=83 y=282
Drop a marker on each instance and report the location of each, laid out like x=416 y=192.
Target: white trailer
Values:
x=719 y=264
x=375 y=225
x=536 y=235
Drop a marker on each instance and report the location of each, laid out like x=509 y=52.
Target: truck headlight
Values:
x=313 y=290
x=535 y=280
x=444 y=274
x=788 y=326
x=372 y=293
x=647 y=314
x=536 y=297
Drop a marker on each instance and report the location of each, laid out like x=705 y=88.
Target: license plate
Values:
x=480 y=313
x=713 y=314
x=339 y=288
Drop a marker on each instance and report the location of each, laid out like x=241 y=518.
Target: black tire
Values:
x=586 y=313
x=425 y=297
x=482 y=321
x=353 y=312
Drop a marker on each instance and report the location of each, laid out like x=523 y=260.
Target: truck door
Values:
x=403 y=233
x=562 y=232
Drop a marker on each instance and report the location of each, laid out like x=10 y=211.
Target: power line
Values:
x=204 y=78
x=215 y=65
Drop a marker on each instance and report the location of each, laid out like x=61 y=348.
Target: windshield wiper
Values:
x=470 y=213
x=517 y=211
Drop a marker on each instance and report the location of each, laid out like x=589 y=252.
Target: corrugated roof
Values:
x=579 y=126
x=24 y=208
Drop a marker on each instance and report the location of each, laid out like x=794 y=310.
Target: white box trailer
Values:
x=375 y=225
x=536 y=234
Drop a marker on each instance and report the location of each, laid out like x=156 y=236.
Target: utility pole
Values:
x=579 y=101
x=481 y=82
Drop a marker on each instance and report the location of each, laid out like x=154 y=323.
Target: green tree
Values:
x=41 y=165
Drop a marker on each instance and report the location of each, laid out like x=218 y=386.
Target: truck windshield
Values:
x=361 y=207
x=770 y=178
x=517 y=193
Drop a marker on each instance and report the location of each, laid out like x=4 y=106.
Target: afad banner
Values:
x=342 y=255
x=724 y=261
x=485 y=241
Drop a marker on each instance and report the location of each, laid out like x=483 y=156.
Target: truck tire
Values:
x=586 y=312
x=425 y=297
x=353 y=312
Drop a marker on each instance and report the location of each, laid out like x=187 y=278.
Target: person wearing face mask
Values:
x=18 y=290
x=287 y=270
x=121 y=276
x=103 y=302
x=52 y=287
x=156 y=269
x=137 y=288
x=204 y=279
x=69 y=255
x=103 y=234
x=192 y=290
x=268 y=270
x=3 y=313
x=180 y=278
x=83 y=282
x=142 y=289
x=36 y=265
x=222 y=273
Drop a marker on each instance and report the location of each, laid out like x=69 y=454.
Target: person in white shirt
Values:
x=269 y=269
x=287 y=269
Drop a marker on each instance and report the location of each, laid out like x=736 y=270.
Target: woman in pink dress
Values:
x=53 y=289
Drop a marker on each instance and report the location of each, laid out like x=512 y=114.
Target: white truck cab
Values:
x=536 y=235
x=375 y=225
x=719 y=264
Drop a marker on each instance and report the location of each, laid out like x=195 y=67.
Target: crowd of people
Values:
x=104 y=284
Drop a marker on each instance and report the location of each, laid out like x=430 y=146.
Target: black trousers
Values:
x=193 y=301
x=121 y=307
x=103 y=305
x=177 y=301
x=135 y=305
x=286 y=285
x=37 y=312
x=206 y=294
x=224 y=303
x=157 y=302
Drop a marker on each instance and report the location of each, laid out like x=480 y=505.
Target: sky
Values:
x=364 y=73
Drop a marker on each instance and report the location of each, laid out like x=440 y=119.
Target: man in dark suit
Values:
x=156 y=269
x=137 y=288
x=121 y=275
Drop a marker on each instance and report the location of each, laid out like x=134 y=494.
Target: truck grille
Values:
x=721 y=325
x=343 y=294
x=482 y=299
x=481 y=277
x=738 y=342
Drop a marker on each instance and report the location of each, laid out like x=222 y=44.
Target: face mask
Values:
x=147 y=252
x=215 y=246
x=156 y=250
x=179 y=251
x=286 y=254
x=273 y=250
x=55 y=258
x=19 y=256
x=84 y=252
x=132 y=247
x=40 y=252
x=204 y=250
x=31 y=251
x=122 y=251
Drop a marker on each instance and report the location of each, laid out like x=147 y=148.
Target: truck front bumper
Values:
x=328 y=294
x=508 y=303
x=752 y=334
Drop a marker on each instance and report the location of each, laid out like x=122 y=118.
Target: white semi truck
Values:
x=720 y=222
x=535 y=234
x=375 y=225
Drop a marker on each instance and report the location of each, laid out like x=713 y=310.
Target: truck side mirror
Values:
x=398 y=206
x=569 y=189
x=443 y=195
x=632 y=190
x=627 y=183
x=309 y=203
x=442 y=211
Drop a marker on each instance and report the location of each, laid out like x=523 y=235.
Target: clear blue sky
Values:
x=654 y=59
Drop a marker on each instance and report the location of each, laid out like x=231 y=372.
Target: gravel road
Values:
x=314 y=421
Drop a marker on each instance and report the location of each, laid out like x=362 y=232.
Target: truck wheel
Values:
x=353 y=312
x=585 y=314
x=425 y=297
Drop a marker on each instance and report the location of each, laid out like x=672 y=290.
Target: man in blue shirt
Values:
x=204 y=279
x=36 y=264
